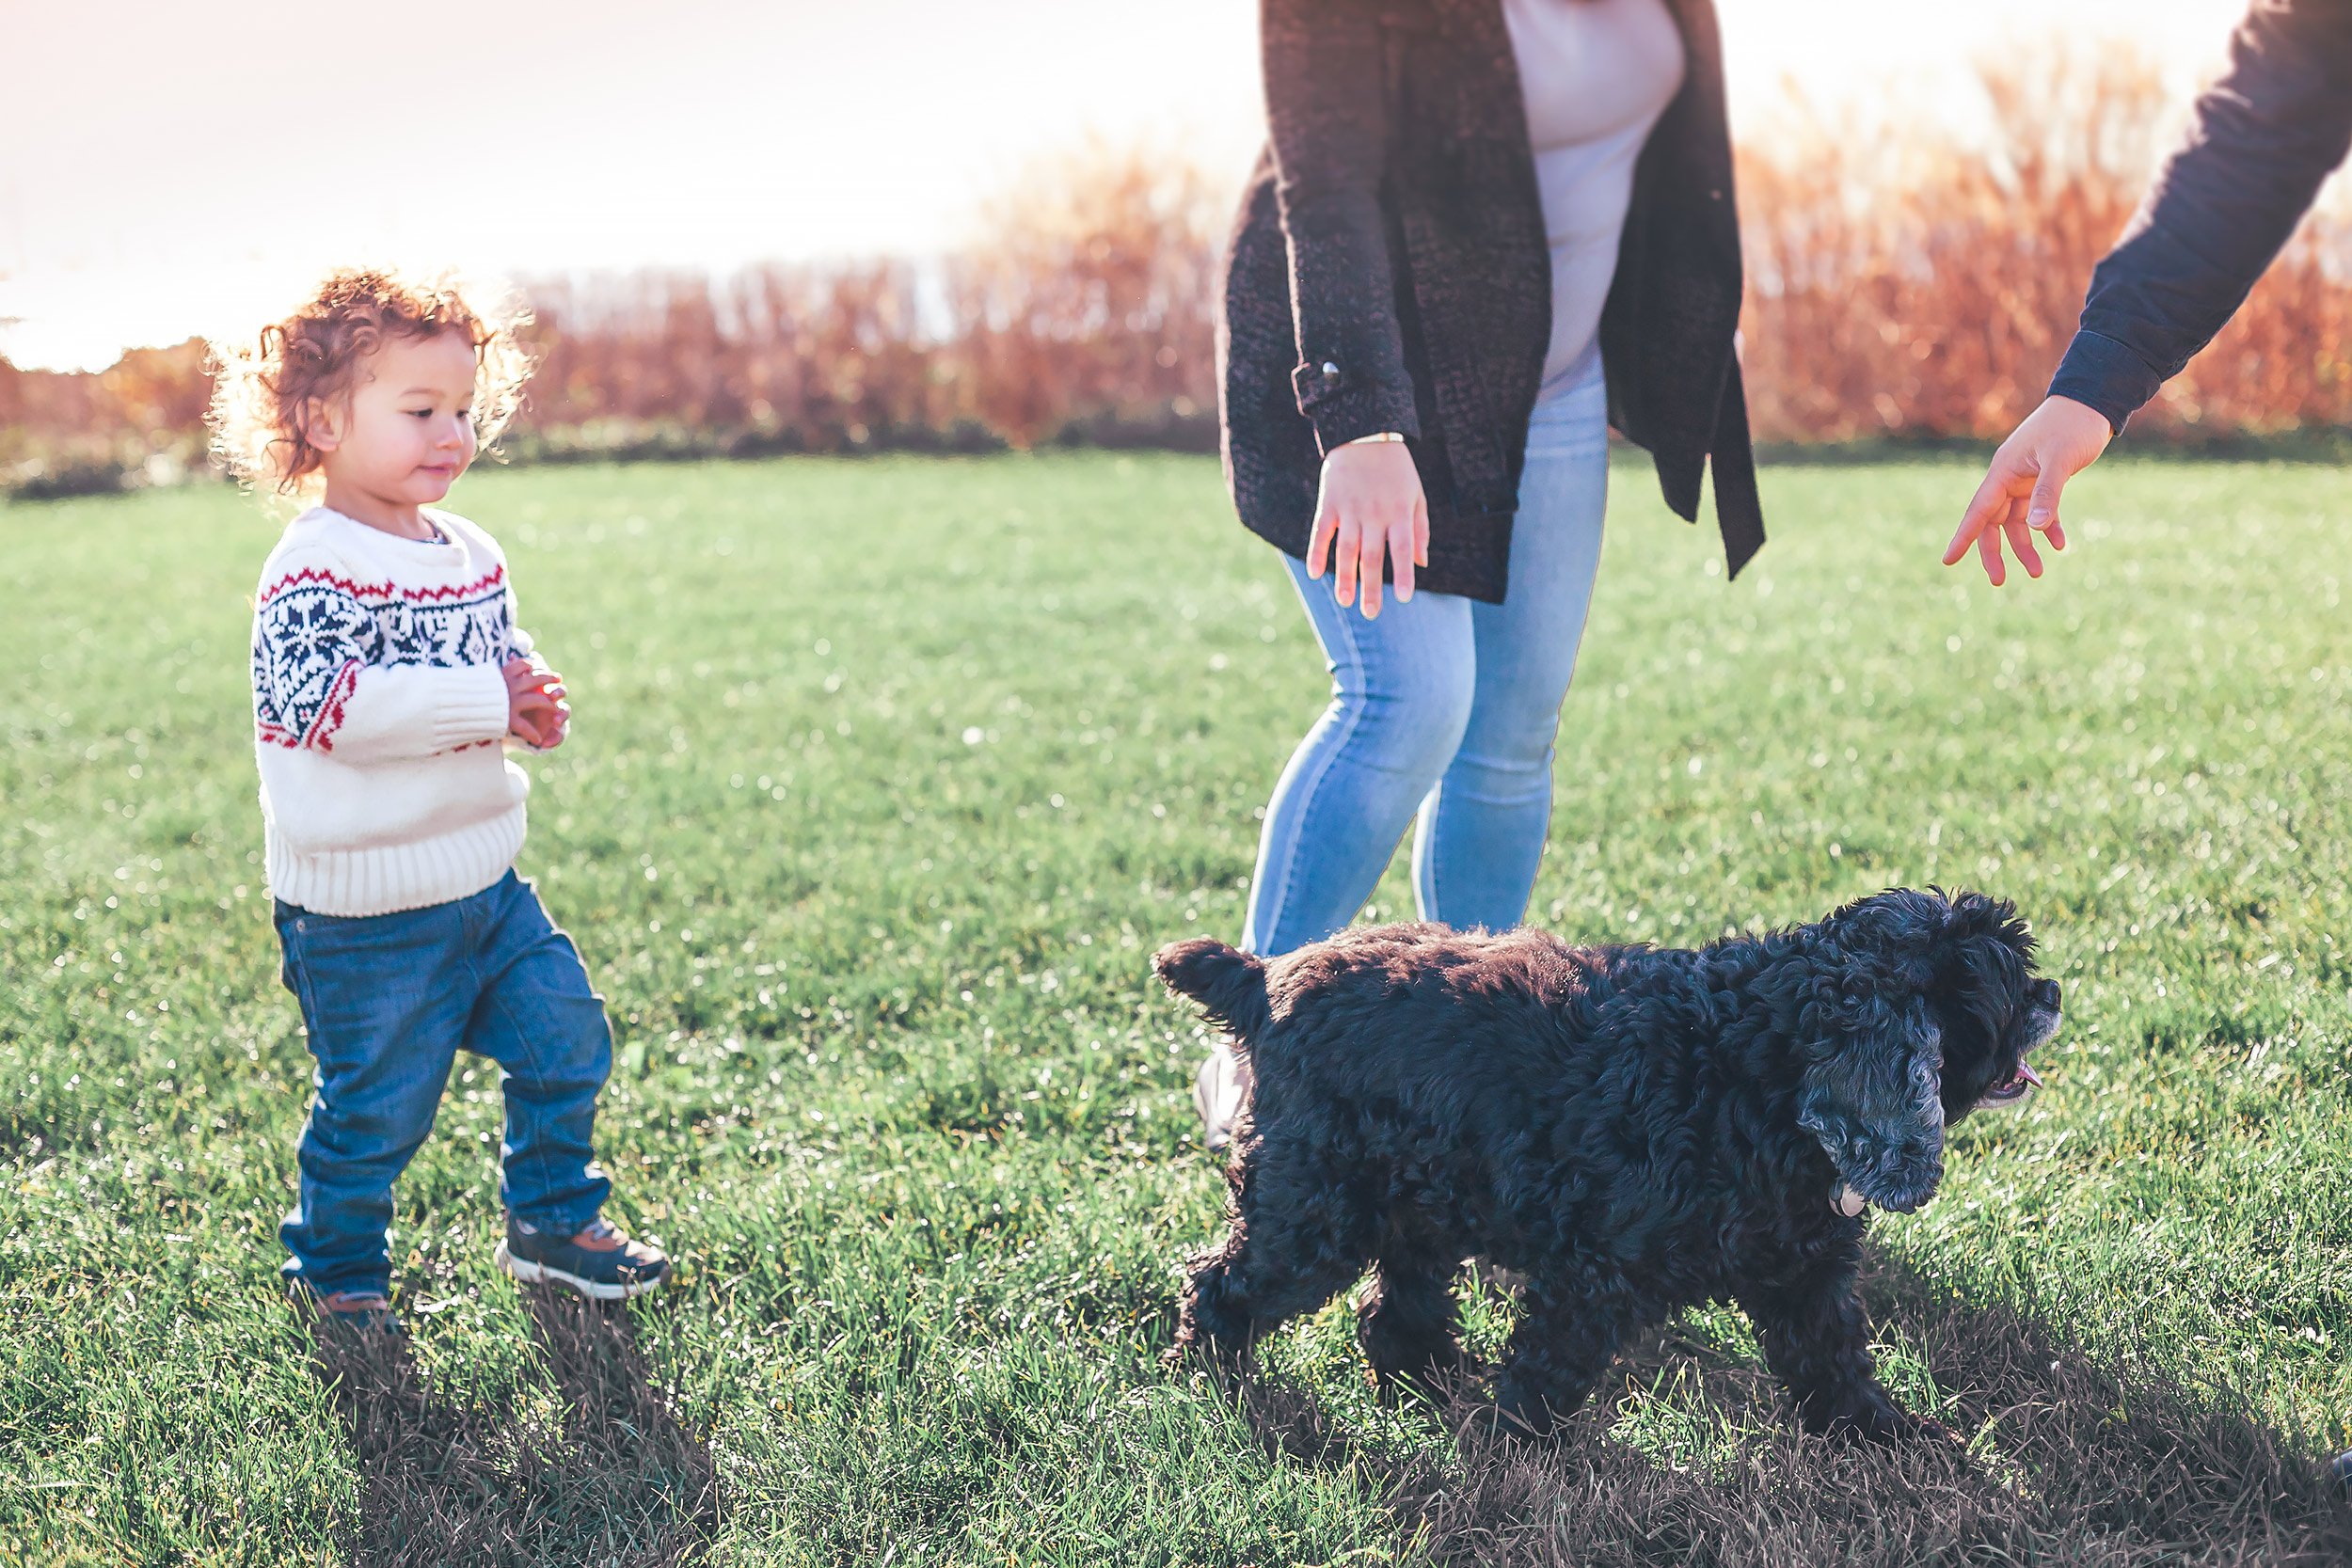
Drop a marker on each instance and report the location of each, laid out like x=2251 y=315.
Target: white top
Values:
x=1595 y=74
x=379 y=706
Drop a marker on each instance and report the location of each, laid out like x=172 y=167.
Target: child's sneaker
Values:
x=600 y=1262
x=361 y=1314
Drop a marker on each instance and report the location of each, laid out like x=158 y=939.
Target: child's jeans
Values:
x=389 y=1001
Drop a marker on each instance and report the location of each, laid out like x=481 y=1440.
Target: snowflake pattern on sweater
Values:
x=314 y=631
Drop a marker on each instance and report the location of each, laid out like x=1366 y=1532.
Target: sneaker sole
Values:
x=1212 y=1137
x=528 y=1273
x=380 y=1320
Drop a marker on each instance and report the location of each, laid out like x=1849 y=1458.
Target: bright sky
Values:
x=173 y=169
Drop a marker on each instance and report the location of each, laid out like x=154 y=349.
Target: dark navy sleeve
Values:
x=2264 y=138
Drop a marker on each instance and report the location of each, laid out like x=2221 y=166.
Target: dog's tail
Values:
x=1229 y=984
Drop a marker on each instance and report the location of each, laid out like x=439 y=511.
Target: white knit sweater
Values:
x=379 y=706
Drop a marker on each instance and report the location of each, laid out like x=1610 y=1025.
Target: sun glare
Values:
x=731 y=133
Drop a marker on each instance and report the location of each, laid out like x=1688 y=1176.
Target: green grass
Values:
x=887 y=778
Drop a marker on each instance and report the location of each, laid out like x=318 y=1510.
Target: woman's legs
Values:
x=1401 y=694
x=1481 y=828
x=1441 y=704
x=1401 y=691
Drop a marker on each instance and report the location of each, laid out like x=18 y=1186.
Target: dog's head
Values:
x=1929 y=1005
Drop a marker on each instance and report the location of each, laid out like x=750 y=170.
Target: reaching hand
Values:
x=2019 y=496
x=1371 y=508
x=536 y=712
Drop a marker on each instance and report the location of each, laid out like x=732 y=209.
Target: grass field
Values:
x=887 y=778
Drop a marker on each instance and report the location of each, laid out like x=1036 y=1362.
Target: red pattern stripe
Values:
x=332 y=711
x=380 y=592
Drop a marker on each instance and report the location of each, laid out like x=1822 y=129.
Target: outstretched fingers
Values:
x=1404 y=553
x=1989 y=551
x=1344 y=560
x=1991 y=498
x=1319 y=540
x=2021 y=541
x=1372 y=558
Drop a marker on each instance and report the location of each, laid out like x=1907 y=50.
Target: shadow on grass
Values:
x=610 y=1477
x=2071 y=1460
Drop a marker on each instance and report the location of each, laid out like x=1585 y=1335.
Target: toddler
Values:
x=389 y=675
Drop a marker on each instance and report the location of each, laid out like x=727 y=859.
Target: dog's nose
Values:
x=2045 y=993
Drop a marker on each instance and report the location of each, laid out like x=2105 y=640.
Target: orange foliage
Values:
x=1906 y=283
x=1921 y=285
x=835 y=358
x=1088 y=294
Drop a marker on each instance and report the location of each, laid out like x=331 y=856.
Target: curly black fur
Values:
x=1634 y=1130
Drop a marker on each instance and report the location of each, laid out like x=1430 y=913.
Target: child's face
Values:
x=406 y=431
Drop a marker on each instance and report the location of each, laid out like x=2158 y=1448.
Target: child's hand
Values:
x=536 y=713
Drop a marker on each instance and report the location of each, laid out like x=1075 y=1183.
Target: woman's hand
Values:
x=1370 y=510
x=2019 y=496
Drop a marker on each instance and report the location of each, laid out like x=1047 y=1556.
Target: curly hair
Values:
x=265 y=388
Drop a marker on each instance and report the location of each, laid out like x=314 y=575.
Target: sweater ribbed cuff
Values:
x=475 y=709
x=1342 y=407
x=2106 y=375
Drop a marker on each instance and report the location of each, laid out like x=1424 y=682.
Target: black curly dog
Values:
x=1635 y=1130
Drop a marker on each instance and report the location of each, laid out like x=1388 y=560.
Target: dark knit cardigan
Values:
x=1391 y=271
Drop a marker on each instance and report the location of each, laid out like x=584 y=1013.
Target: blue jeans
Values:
x=1443 y=711
x=388 y=999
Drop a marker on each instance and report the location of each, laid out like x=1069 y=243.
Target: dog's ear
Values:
x=1981 y=958
x=1873 y=1096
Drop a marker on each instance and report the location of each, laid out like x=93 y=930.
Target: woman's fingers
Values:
x=2044 y=511
x=1326 y=524
x=1403 y=549
x=2021 y=541
x=1372 y=511
x=1989 y=551
x=1374 y=553
x=1991 y=500
x=2023 y=486
x=1344 y=562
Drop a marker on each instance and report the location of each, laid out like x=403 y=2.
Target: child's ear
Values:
x=323 y=423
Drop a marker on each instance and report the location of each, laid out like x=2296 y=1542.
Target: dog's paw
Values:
x=1522 y=1416
x=1199 y=1353
x=1886 y=1423
x=1433 y=1382
x=1927 y=1432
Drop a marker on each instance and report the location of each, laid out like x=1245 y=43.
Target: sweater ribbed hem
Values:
x=388 y=878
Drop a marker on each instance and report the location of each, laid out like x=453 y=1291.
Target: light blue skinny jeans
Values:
x=1444 y=714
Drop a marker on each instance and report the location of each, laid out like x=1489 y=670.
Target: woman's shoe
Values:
x=1221 y=1091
